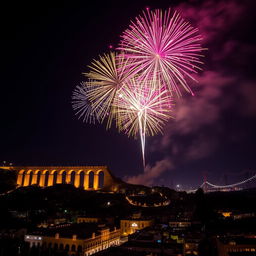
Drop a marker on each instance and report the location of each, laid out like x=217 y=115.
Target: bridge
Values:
x=240 y=185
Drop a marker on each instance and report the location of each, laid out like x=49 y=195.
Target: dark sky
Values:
x=46 y=46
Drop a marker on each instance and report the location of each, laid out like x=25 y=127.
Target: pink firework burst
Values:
x=164 y=48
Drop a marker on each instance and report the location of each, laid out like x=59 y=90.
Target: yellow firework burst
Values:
x=107 y=76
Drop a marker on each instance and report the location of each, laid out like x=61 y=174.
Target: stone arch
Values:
x=30 y=177
x=46 y=177
x=59 y=176
x=73 y=248
x=23 y=179
x=91 y=179
x=61 y=247
x=63 y=177
x=26 y=178
x=72 y=178
x=55 y=247
x=67 y=247
x=81 y=178
x=50 y=177
x=38 y=174
x=40 y=178
x=44 y=171
x=20 y=178
x=101 y=176
x=79 y=248
x=34 y=178
x=68 y=176
x=54 y=174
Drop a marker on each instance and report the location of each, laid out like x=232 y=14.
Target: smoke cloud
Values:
x=226 y=86
x=151 y=173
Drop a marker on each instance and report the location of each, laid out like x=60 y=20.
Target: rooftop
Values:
x=82 y=230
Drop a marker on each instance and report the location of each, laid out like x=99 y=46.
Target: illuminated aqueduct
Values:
x=87 y=177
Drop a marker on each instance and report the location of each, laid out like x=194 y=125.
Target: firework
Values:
x=82 y=106
x=163 y=48
x=135 y=87
x=142 y=111
x=106 y=78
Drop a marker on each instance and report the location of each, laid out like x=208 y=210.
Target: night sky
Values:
x=45 y=47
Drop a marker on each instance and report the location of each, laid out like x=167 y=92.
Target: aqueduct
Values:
x=87 y=177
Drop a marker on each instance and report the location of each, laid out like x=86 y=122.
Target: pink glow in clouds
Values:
x=213 y=17
x=151 y=173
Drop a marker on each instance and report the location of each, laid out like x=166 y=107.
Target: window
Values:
x=73 y=248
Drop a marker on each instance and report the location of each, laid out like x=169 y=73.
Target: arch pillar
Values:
x=86 y=181
x=50 y=180
x=42 y=179
x=101 y=183
x=34 y=178
x=59 y=178
x=26 y=180
x=96 y=181
x=77 y=180
x=19 y=178
x=68 y=178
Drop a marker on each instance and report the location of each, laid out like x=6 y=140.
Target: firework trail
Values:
x=142 y=111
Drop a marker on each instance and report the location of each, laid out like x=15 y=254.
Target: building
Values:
x=191 y=243
x=78 y=239
x=155 y=248
x=88 y=219
x=236 y=215
x=225 y=214
x=34 y=240
x=136 y=222
x=95 y=219
x=187 y=233
x=237 y=245
x=179 y=225
x=86 y=177
x=155 y=240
